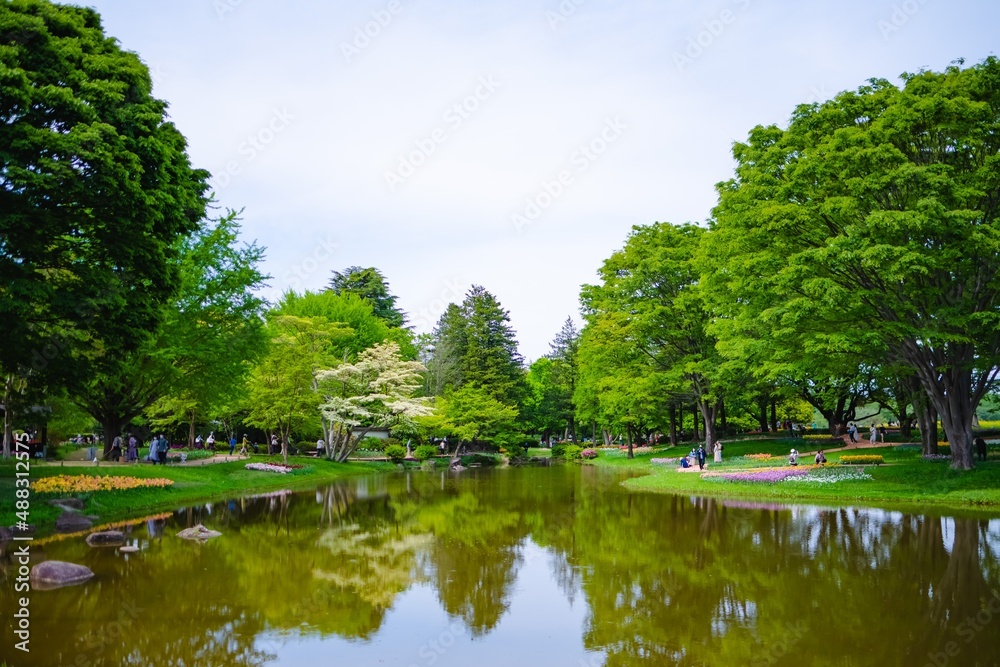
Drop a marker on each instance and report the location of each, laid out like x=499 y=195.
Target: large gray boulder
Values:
x=55 y=574
x=199 y=533
x=107 y=538
x=69 y=522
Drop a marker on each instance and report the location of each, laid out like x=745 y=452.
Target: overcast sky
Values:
x=508 y=143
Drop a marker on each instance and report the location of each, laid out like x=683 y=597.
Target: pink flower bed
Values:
x=770 y=476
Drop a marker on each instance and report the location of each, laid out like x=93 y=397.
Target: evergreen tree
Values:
x=491 y=360
x=371 y=286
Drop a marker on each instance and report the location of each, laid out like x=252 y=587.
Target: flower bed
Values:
x=664 y=462
x=272 y=467
x=832 y=475
x=87 y=483
x=637 y=450
x=758 y=457
x=768 y=476
x=588 y=454
x=862 y=459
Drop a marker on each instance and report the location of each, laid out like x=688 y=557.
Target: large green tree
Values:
x=878 y=210
x=95 y=189
x=651 y=298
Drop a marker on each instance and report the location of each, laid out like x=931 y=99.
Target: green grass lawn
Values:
x=904 y=479
x=191 y=484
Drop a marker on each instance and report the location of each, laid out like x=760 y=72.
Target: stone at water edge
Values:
x=68 y=522
x=6 y=534
x=54 y=574
x=198 y=532
x=67 y=503
x=128 y=549
x=107 y=538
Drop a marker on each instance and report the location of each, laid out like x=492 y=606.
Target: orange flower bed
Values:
x=87 y=483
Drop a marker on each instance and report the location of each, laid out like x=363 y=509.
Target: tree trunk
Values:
x=572 y=429
x=927 y=423
x=709 y=412
x=762 y=416
x=112 y=425
x=673 y=425
x=722 y=417
x=628 y=434
x=774 y=415
x=694 y=427
x=191 y=431
x=8 y=419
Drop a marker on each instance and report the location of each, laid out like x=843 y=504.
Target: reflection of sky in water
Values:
x=541 y=627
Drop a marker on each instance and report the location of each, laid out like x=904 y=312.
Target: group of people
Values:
x=875 y=433
x=700 y=455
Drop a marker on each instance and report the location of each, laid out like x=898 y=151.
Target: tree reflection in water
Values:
x=665 y=580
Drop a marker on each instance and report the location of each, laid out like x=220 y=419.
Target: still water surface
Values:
x=524 y=567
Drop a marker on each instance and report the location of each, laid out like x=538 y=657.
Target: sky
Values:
x=510 y=144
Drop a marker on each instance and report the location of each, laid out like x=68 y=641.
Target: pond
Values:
x=539 y=566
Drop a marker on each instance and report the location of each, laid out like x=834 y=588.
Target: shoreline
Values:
x=192 y=485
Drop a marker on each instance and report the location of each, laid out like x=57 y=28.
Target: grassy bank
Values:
x=905 y=479
x=191 y=484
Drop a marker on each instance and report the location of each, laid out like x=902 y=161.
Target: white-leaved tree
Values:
x=377 y=391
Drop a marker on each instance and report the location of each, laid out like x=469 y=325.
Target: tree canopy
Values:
x=878 y=208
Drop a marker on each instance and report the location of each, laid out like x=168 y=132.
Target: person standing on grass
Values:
x=702 y=455
x=981 y=448
x=717 y=450
x=133 y=449
x=163 y=449
x=852 y=432
x=210 y=443
x=873 y=434
x=232 y=444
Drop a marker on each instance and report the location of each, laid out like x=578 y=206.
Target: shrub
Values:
x=396 y=453
x=572 y=452
x=820 y=438
x=514 y=451
x=424 y=452
x=372 y=444
x=481 y=459
x=588 y=453
x=862 y=459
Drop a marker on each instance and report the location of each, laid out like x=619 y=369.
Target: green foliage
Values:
x=370 y=285
x=473 y=414
x=514 y=452
x=396 y=453
x=424 y=452
x=97 y=190
x=876 y=207
x=372 y=444
x=566 y=451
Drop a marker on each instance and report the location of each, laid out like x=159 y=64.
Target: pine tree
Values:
x=371 y=286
